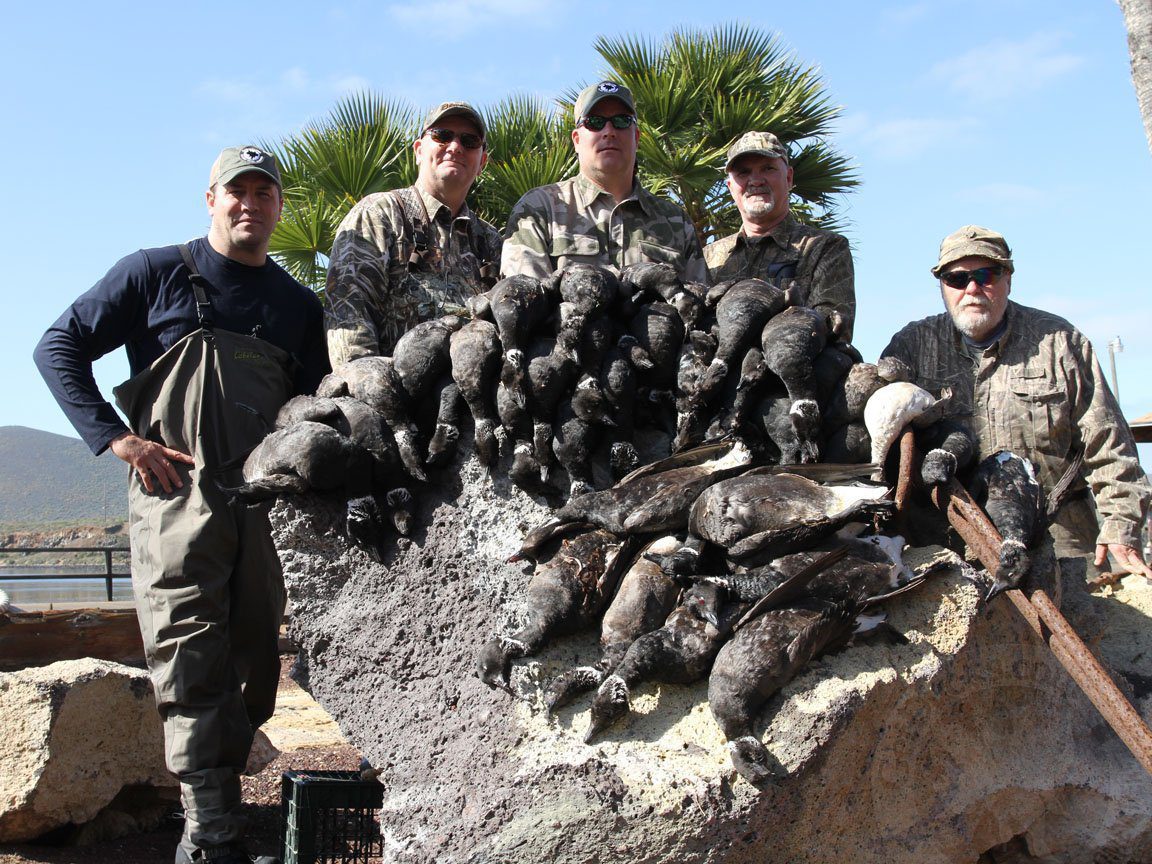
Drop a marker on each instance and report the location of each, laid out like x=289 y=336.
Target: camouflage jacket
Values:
x=1039 y=392
x=819 y=261
x=577 y=222
x=388 y=272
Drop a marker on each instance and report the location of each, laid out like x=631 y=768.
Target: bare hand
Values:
x=151 y=460
x=1127 y=557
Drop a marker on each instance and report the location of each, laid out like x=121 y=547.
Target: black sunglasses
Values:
x=595 y=122
x=981 y=276
x=468 y=140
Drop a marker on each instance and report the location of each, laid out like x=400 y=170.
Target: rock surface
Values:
x=78 y=735
x=968 y=744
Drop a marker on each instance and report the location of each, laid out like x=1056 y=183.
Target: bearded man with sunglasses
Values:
x=602 y=216
x=772 y=245
x=1027 y=381
x=409 y=255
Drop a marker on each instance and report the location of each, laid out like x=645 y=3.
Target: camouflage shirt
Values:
x=1039 y=392
x=819 y=261
x=375 y=293
x=577 y=222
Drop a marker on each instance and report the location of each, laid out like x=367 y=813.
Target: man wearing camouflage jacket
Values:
x=1028 y=381
x=772 y=245
x=602 y=216
x=408 y=255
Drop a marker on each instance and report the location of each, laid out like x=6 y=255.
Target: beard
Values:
x=759 y=206
x=975 y=320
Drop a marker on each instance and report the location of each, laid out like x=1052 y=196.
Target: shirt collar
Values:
x=780 y=235
x=587 y=192
x=437 y=210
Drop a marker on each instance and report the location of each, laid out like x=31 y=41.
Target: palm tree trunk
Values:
x=1138 y=20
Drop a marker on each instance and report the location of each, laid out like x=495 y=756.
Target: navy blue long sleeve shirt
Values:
x=146 y=304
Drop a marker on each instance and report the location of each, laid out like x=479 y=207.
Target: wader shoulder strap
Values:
x=199 y=284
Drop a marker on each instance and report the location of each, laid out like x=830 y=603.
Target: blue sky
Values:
x=1015 y=114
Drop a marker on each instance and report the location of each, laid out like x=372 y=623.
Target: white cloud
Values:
x=230 y=90
x=290 y=84
x=907 y=14
x=1002 y=193
x=905 y=138
x=350 y=84
x=1001 y=70
x=454 y=19
x=295 y=78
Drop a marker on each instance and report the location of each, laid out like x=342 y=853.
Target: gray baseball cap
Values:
x=595 y=93
x=455 y=109
x=234 y=161
x=973 y=241
x=764 y=143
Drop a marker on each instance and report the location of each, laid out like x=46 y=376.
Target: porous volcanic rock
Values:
x=970 y=743
x=77 y=736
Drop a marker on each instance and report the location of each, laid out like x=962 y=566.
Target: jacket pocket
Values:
x=657 y=254
x=1046 y=413
x=575 y=249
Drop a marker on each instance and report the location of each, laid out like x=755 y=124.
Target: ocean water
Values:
x=86 y=589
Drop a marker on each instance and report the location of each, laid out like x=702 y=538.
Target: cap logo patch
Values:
x=251 y=154
x=608 y=87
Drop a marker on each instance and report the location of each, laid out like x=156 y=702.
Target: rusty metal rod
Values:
x=973 y=525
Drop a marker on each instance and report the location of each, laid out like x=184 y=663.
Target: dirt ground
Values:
x=308 y=740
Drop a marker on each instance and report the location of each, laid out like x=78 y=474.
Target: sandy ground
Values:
x=308 y=740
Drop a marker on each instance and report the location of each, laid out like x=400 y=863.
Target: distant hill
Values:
x=53 y=478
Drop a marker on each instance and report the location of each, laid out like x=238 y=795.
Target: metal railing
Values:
x=107 y=551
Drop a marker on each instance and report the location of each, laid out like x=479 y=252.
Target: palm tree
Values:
x=696 y=91
x=362 y=146
x=528 y=146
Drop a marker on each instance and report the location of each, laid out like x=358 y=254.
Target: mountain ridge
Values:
x=47 y=478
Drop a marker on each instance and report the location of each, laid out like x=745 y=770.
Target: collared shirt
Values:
x=577 y=222
x=1038 y=392
x=819 y=262
x=375 y=292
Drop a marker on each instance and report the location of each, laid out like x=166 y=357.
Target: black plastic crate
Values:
x=330 y=816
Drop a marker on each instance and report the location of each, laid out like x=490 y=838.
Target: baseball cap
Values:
x=234 y=161
x=973 y=241
x=764 y=143
x=594 y=93
x=455 y=109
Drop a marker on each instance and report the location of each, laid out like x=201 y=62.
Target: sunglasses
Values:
x=595 y=122
x=981 y=276
x=468 y=140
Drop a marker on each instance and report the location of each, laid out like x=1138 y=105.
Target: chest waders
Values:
x=207 y=582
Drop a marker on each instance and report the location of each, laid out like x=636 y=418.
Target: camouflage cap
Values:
x=454 y=109
x=764 y=143
x=593 y=94
x=973 y=241
x=234 y=161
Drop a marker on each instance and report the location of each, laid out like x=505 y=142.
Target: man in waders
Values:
x=414 y=254
x=218 y=338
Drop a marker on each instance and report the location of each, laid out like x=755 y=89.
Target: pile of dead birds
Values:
x=562 y=375
x=729 y=556
x=706 y=566
x=699 y=566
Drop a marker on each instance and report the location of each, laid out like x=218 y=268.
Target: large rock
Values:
x=968 y=741
x=77 y=735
